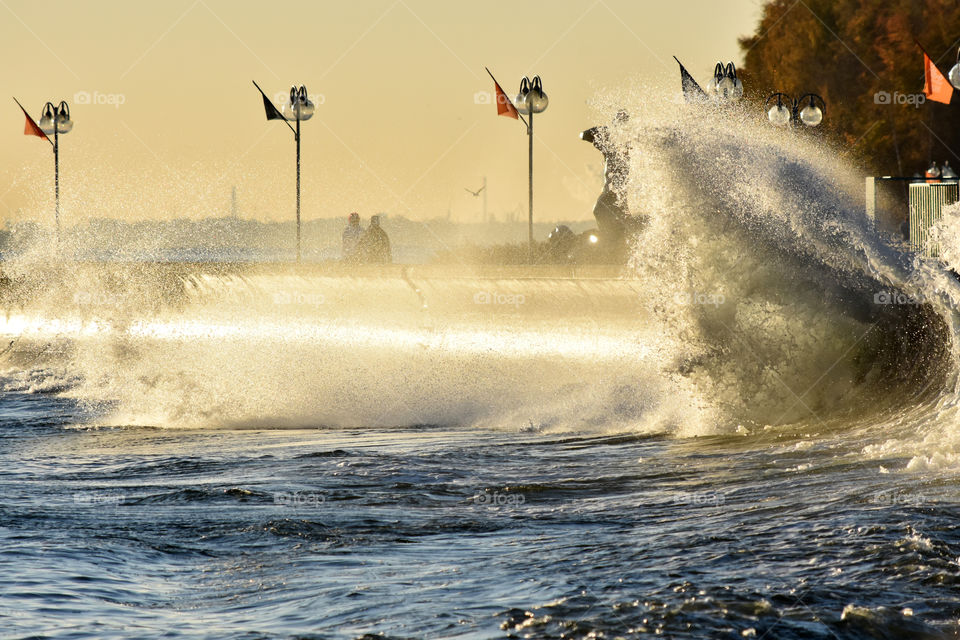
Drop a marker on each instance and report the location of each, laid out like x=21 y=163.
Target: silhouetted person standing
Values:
x=375 y=245
x=613 y=219
x=352 y=235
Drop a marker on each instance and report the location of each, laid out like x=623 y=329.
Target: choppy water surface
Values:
x=427 y=532
x=751 y=431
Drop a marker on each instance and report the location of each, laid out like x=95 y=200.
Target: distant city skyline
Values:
x=168 y=122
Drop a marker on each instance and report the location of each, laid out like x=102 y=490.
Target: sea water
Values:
x=749 y=431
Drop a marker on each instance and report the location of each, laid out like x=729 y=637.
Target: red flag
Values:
x=30 y=128
x=504 y=106
x=935 y=85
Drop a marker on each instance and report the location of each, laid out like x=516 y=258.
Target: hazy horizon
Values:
x=173 y=122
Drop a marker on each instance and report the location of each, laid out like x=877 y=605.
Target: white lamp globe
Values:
x=730 y=88
x=298 y=99
x=954 y=76
x=306 y=110
x=537 y=101
x=47 y=118
x=711 y=88
x=522 y=103
x=64 y=123
x=738 y=89
x=811 y=115
x=779 y=115
x=46 y=125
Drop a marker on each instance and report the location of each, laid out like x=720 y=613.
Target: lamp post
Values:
x=298 y=108
x=56 y=120
x=531 y=100
x=788 y=111
x=725 y=86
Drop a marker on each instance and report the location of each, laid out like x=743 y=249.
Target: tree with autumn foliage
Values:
x=857 y=54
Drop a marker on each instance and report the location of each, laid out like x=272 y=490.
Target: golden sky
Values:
x=172 y=121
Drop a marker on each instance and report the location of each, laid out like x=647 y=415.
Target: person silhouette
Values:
x=352 y=234
x=375 y=245
x=611 y=212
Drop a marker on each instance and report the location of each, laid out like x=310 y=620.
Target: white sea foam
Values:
x=758 y=295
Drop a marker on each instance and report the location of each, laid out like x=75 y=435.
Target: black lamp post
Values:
x=298 y=108
x=531 y=100
x=56 y=120
x=788 y=111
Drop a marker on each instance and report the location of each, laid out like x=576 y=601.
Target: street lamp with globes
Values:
x=788 y=111
x=531 y=100
x=725 y=86
x=56 y=120
x=298 y=108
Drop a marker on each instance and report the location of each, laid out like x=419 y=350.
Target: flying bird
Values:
x=477 y=192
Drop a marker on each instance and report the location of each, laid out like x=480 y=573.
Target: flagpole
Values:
x=34 y=129
x=522 y=119
x=529 y=126
x=266 y=100
x=298 y=102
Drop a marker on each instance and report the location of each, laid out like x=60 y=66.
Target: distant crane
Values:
x=476 y=193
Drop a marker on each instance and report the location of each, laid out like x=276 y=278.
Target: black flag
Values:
x=691 y=90
x=272 y=112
